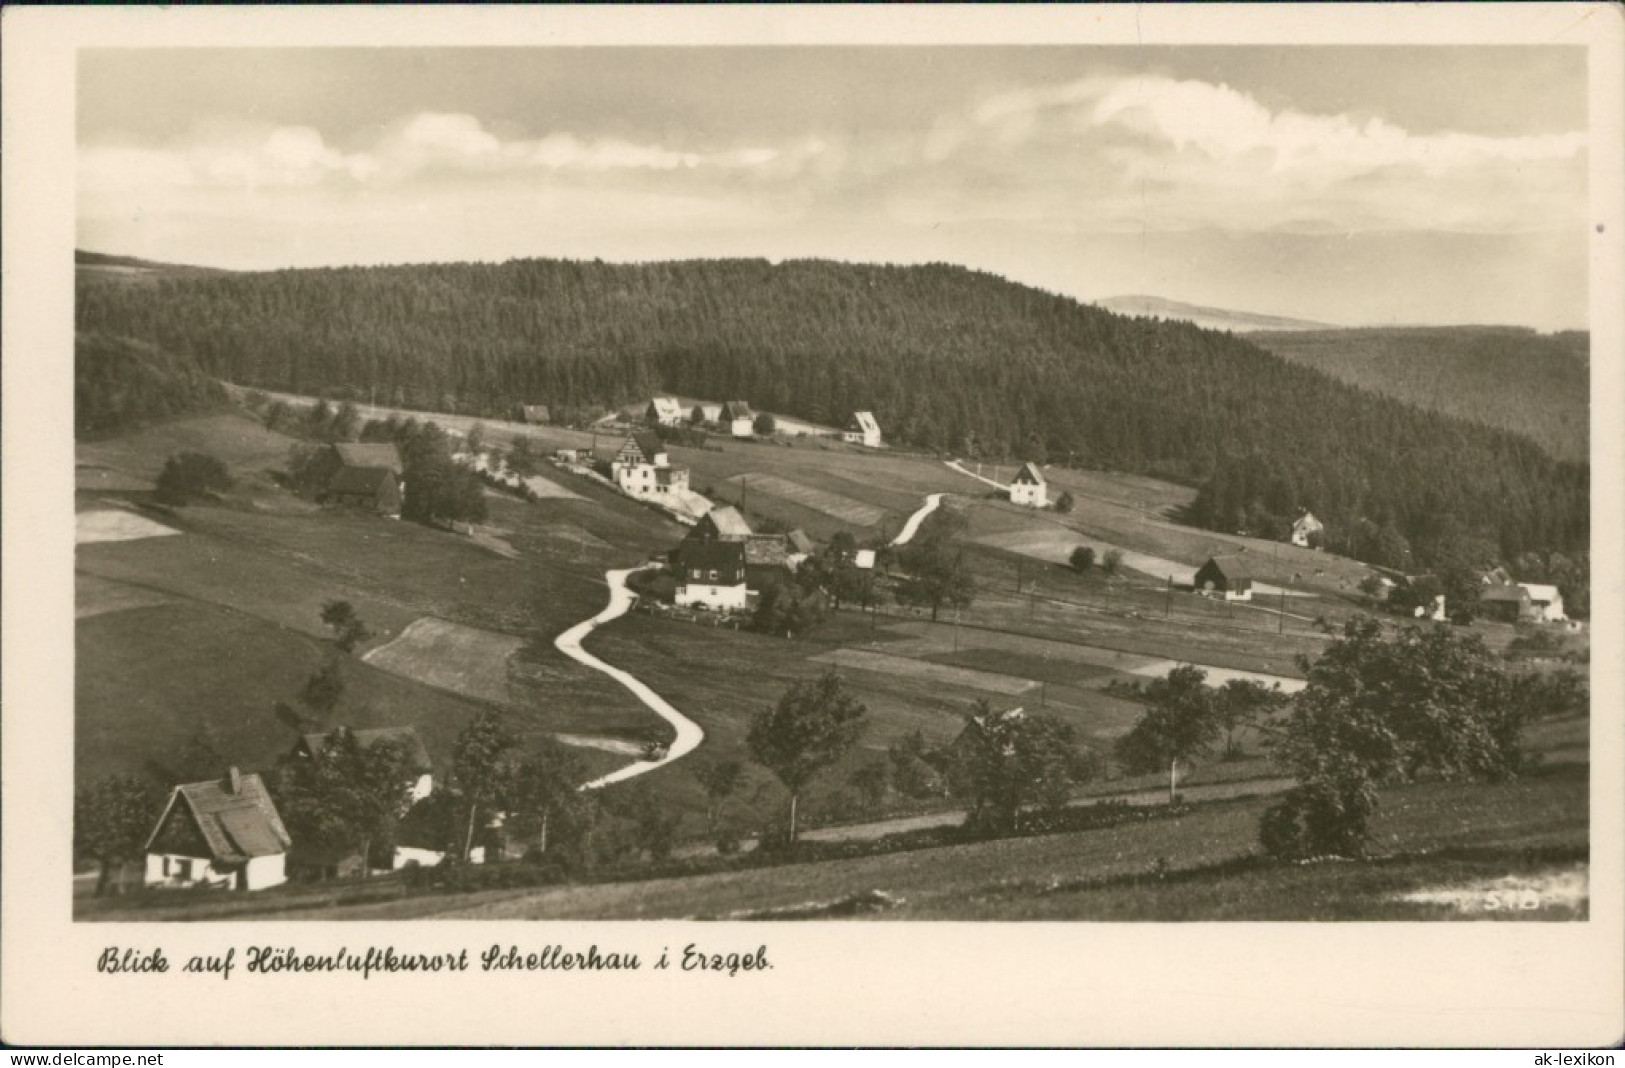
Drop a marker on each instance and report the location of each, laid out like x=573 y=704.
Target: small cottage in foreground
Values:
x=222 y=833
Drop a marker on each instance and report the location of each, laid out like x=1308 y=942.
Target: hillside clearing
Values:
x=886 y=664
x=845 y=509
x=114 y=524
x=450 y=656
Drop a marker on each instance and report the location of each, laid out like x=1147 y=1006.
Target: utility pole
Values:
x=1168 y=600
x=1280 y=623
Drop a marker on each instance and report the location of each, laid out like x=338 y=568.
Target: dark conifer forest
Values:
x=949 y=359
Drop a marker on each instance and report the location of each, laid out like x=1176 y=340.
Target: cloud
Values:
x=421 y=144
x=1158 y=153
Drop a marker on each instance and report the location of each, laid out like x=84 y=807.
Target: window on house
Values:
x=713 y=576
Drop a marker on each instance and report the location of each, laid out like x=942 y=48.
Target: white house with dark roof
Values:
x=664 y=411
x=738 y=418
x=1028 y=488
x=1307 y=530
x=223 y=833
x=862 y=430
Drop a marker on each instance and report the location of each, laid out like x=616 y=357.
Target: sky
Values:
x=1349 y=185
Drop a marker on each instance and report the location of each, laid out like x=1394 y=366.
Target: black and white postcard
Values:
x=1065 y=526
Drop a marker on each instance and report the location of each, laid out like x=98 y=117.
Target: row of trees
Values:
x=947 y=356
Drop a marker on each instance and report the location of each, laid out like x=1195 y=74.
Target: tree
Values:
x=324 y=689
x=938 y=576
x=654 y=822
x=720 y=779
x=1240 y=704
x=112 y=818
x=1111 y=561
x=437 y=488
x=475 y=439
x=871 y=781
x=812 y=726
x=1082 y=559
x=348 y=630
x=480 y=767
x=789 y=609
x=544 y=802
x=1377 y=710
x=764 y=425
x=1180 y=724
x=521 y=459
x=189 y=475
x=346 y=422
x=1004 y=762
x=1065 y=502
x=347 y=796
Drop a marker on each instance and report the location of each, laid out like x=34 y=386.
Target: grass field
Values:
x=450 y=656
x=847 y=660
x=852 y=513
x=115 y=524
x=1199 y=866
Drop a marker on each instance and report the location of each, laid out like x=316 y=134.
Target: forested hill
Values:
x=940 y=353
x=1538 y=385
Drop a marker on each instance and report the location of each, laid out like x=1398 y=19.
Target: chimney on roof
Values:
x=234 y=781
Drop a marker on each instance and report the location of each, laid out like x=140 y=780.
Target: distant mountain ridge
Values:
x=1533 y=384
x=1204 y=317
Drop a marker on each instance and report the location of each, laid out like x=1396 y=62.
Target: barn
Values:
x=1226 y=575
x=374 y=489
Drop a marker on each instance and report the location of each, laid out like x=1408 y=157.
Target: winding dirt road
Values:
x=689 y=734
x=912 y=527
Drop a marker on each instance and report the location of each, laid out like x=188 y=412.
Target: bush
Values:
x=1319 y=819
x=1082 y=559
x=189 y=475
x=1111 y=561
x=1064 y=503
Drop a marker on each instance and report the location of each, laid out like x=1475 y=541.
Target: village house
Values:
x=642 y=468
x=710 y=574
x=737 y=418
x=862 y=430
x=723 y=523
x=1307 y=531
x=535 y=414
x=1226 y=575
x=767 y=562
x=1522 y=602
x=361 y=475
x=705 y=413
x=1028 y=488
x=375 y=489
x=223 y=833
x=663 y=411
x=310 y=745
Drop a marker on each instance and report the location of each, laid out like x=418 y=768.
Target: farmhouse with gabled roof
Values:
x=711 y=574
x=723 y=523
x=223 y=833
x=862 y=430
x=1028 y=488
x=1307 y=531
x=738 y=418
x=663 y=411
x=642 y=468
x=1225 y=575
x=375 y=489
